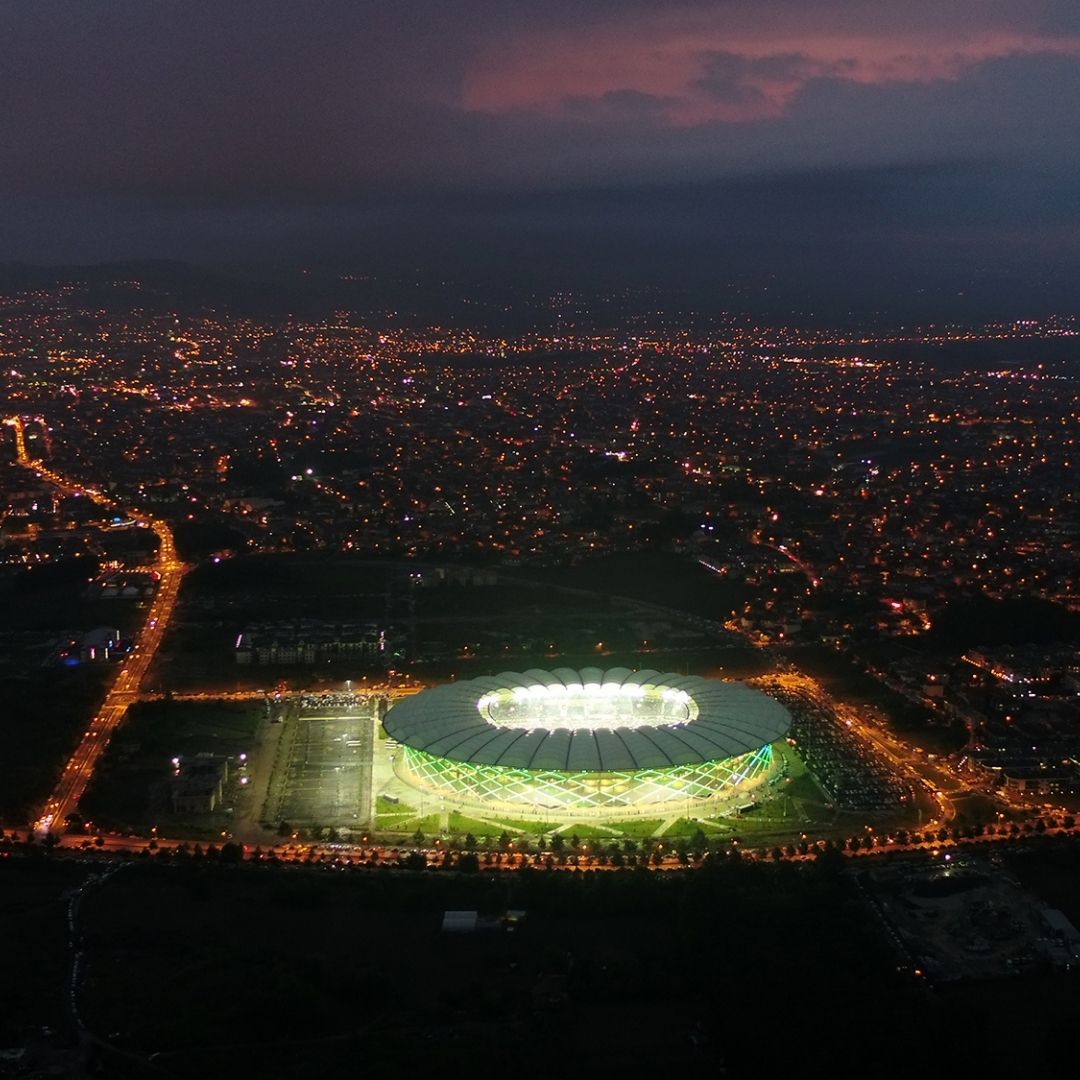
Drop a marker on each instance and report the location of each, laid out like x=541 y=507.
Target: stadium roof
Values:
x=446 y=722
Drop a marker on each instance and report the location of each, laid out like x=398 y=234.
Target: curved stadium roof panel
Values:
x=588 y=720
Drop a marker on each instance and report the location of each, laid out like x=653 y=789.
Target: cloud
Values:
x=770 y=80
x=724 y=63
x=620 y=106
x=598 y=128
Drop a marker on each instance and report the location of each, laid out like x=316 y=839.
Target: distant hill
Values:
x=277 y=291
x=151 y=283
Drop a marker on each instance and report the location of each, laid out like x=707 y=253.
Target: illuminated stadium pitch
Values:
x=590 y=743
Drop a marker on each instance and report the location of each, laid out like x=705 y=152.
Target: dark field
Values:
x=221 y=971
x=33 y=965
x=303 y=974
x=45 y=707
x=42 y=716
x=662 y=611
x=130 y=787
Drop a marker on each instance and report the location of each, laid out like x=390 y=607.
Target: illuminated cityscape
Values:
x=538 y=536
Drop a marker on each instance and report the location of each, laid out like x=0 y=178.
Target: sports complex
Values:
x=587 y=743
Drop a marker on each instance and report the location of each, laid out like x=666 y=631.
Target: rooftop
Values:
x=589 y=720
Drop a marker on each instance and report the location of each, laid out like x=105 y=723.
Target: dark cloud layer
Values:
x=689 y=140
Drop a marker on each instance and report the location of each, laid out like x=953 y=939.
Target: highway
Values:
x=124 y=688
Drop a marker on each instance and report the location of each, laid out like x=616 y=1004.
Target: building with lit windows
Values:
x=568 y=744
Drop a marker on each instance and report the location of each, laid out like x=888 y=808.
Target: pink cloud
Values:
x=684 y=72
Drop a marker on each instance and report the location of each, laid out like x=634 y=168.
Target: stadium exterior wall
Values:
x=709 y=787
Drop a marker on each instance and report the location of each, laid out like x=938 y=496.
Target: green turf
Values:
x=428 y=825
x=588 y=832
x=459 y=823
x=384 y=806
x=803 y=787
x=633 y=828
x=533 y=828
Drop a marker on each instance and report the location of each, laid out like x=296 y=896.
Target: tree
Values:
x=418 y=838
x=698 y=841
x=470 y=842
x=284 y=829
x=231 y=853
x=557 y=843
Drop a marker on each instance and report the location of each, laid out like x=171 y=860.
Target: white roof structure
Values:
x=710 y=720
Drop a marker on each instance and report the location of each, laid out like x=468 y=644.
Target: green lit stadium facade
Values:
x=567 y=744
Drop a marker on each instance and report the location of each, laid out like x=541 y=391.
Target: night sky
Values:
x=841 y=151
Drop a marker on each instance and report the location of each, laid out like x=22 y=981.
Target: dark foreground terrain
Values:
x=194 y=968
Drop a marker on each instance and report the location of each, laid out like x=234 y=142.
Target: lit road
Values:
x=783 y=549
x=903 y=759
x=124 y=688
x=376 y=854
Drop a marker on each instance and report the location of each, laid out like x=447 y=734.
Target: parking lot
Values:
x=322 y=775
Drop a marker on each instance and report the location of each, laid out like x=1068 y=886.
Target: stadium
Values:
x=589 y=743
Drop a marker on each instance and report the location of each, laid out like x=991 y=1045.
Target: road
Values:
x=124 y=688
x=783 y=549
x=385 y=855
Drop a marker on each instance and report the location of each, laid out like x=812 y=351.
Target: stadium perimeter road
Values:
x=327 y=770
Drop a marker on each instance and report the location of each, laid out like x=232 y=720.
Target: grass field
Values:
x=460 y=823
x=384 y=806
x=428 y=825
x=777 y=818
x=635 y=828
